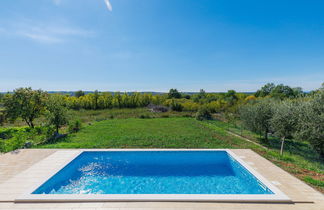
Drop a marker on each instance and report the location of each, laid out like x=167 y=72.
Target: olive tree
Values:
x=283 y=121
x=311 y=122
x=25 y=103
x=257 y=117
x=56 y=112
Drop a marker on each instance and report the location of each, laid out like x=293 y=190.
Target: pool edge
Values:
x=277 y=197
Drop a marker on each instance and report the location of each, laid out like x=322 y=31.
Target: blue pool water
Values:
x=153 y=172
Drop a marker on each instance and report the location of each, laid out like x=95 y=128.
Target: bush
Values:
x=16 y=138
x=176 y=106
x=190 y=106
x=144 y=116
x=2 y=118
x=203 y=114
x=75 y=126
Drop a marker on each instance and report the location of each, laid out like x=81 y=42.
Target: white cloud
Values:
x=56 y=32
x=108 y=4
x=42 y=37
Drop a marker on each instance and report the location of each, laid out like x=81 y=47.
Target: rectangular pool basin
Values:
x=156 y=175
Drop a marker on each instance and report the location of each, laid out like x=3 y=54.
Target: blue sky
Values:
x=155 y=45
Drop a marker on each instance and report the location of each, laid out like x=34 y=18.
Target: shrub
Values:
x=203 y=114
x=144 y=116
x=75 y=126
x=16 y=138
x=2 y=118
x=175 y=106
x=190 y=106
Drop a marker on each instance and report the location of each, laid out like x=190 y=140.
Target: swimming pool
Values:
x=158 y=175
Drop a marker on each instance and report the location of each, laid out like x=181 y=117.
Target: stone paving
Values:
x=20 y=171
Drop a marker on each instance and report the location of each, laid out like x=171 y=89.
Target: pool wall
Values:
x=277 y=196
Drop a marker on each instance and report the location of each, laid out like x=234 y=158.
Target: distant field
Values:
x=150 y=133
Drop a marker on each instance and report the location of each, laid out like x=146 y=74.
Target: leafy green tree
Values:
x=284 y=121
x=174 y=93
x=282 y=91
x=311 y=122
x=56 y=114
x=265 y=90
x=79 y=93
x=257 y=117
x=25 y=103
x=231 y=97
x=297 y=92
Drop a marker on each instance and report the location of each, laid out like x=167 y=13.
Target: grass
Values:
x=299 y=158
x=149 y=133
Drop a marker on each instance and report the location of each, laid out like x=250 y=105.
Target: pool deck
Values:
x=20 y=171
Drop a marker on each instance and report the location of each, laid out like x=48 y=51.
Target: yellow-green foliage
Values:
x=190 y=106
x=250 y=98
x=117 y=100
x=217 y=106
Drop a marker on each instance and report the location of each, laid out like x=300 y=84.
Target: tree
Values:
x=297 y=92
x=231 y=97
x=202 y=94
x=173 y=93
x=25 y=103
x=79 y=93
x=265 y=90
x=95 y=99
x=311 y=122
x=56 y=113
x=283 y=121
x=282 y=91
x=256 y=117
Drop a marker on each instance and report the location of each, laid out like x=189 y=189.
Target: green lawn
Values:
x=150 y=133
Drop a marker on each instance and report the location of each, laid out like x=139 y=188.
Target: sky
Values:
x=155 y=45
